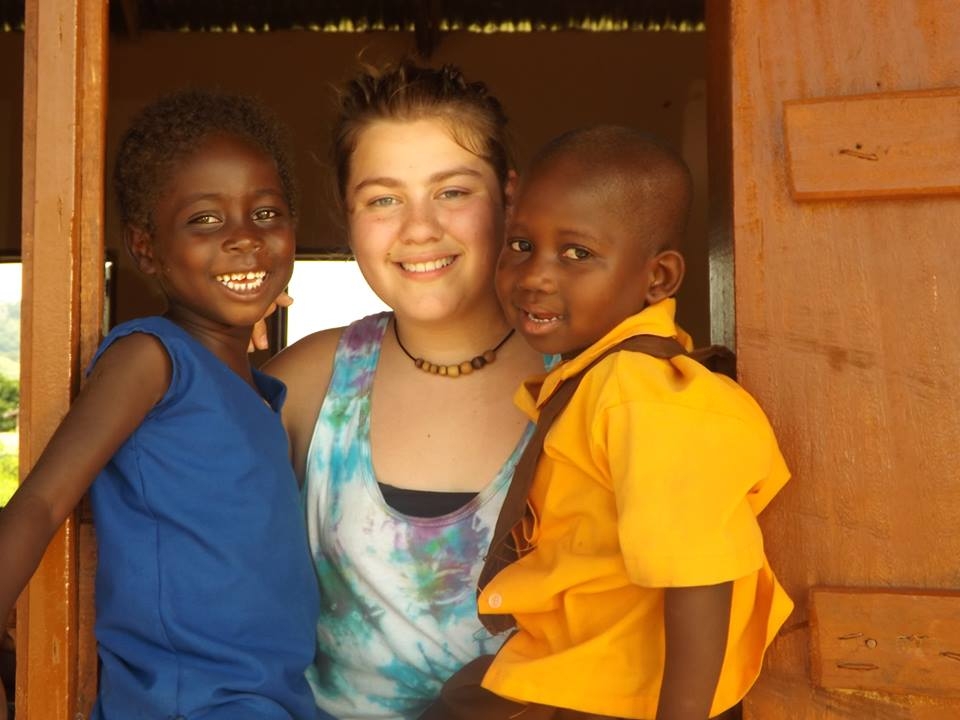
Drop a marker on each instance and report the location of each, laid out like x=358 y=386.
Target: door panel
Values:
x=847 y=319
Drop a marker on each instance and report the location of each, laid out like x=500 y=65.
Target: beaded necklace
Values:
x=464 y=368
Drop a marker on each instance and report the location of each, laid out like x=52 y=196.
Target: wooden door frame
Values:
x=720 y=173
x=846 y=276
x=64 y=120
x=65 y=76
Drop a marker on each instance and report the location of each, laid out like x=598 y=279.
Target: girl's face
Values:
x=223 y=241
x=425 y=218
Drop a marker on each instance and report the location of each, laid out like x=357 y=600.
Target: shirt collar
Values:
x=657 y=319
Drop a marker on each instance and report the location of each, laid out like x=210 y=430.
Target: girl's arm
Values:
x=305 y=368
x=696 y=620
x=130 y=378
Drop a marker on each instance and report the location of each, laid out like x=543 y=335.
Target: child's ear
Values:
x=666 y=273
x=140 y=246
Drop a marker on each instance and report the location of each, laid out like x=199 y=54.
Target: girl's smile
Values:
x=243 y=282
x=421 y=267
x=222 y=244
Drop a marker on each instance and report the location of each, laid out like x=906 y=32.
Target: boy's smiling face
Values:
x=579 y=257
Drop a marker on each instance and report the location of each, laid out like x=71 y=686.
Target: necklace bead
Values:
x=457 y=369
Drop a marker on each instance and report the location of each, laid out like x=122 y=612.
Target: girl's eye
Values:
x=265 y=214
x=385 y=201
x=205 y=219
x=576 y=253
x=452 y=194
x=519 y=245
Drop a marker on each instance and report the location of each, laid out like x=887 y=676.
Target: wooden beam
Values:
x=62 y=221
x=720 y=159
x=880 y=145
x=902 y=642
x=131 y=16
x=92 y=110
x=426 y=27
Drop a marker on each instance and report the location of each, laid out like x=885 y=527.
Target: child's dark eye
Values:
x=205 y=219
x=519 y=245
x=266 y=214
x=577 y=253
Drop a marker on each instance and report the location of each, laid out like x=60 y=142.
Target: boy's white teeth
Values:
x=428 y=266
x=543 y=319
x=243 y=281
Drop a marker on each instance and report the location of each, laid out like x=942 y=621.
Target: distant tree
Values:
x=9 y=403
x=10 y=331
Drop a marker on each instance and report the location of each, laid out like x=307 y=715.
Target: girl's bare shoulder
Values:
x=305 y=368
x=307 y=358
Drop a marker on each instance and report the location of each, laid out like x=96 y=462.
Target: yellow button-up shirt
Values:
x=652 y=477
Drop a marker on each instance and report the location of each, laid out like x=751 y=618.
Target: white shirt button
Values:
x=495 y=600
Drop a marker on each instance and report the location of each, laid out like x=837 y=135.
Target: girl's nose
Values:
x=243 y=237
x=421 y=223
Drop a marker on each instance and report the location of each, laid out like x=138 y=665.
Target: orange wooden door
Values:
x=835 y=146
x=62 y=246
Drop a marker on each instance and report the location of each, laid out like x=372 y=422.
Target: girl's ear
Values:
x=666 y=273
x=140 y=246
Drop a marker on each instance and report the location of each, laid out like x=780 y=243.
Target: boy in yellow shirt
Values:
x=636 y=574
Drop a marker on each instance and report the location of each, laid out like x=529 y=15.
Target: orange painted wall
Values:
x=848 y=331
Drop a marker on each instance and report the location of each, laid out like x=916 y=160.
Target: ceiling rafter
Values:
x=428 y=19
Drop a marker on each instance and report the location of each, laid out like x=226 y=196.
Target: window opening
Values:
x=10 y=292
x=328 y=292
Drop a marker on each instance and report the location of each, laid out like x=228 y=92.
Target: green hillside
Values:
x=9 y=368
x=8 y=465
x=10 y=340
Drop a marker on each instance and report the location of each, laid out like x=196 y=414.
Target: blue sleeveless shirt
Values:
x=206 y=597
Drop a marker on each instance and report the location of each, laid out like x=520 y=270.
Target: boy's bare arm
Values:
x=696 y=621
x=130 y=378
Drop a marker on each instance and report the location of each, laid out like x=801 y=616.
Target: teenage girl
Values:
x=402 y=424
x=206 y=601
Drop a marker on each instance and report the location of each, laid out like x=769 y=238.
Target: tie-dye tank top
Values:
x=398 y=610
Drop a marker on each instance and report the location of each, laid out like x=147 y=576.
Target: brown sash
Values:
x=504 y=548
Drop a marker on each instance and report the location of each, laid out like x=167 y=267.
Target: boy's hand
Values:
x=258 y=338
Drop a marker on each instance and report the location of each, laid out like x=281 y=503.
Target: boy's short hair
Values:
x=637 y=168
x=162 y=133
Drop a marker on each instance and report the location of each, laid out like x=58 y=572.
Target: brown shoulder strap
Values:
x=503 y=548
x=717 y=358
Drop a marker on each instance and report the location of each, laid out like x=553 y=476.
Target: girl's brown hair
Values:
x=406 y=92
